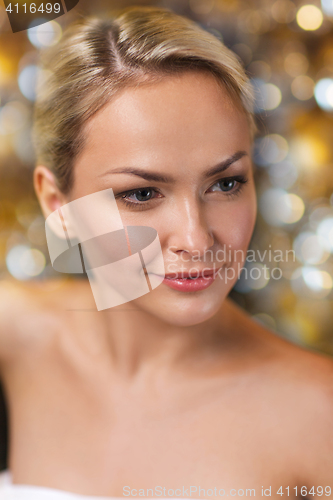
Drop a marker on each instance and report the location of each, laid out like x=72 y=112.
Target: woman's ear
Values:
x=47 y=191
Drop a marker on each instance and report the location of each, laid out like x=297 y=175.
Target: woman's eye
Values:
x=138 y=199
x=224 y=185
x=232 y=186
x=141 y=195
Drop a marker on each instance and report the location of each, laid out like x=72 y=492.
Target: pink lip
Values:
x=183 y=282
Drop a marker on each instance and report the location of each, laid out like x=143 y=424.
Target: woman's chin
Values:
x=181 y=309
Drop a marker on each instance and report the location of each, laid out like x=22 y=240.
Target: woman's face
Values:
x=177 y=155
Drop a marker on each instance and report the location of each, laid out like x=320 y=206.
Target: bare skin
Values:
x=171 y=389
x=261 y=417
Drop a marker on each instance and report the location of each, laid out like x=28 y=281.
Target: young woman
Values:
x=178 y=392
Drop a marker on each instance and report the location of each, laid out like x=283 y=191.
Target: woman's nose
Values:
x=190 y=232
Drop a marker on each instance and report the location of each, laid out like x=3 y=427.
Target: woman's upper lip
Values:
x=192 y=274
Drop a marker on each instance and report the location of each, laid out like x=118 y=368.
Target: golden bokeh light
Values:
x=296 y=64
x=309 y=17
x=302 y=87
x=283 y=11
x=309 y=152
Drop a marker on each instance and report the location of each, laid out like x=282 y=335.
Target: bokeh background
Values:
x=286 y=48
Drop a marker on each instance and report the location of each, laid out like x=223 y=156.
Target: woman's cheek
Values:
x=235 y=230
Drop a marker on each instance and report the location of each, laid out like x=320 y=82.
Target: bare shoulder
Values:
x=32 y=311
x=308 y=381
x=298 y=383
x=293 y=369
x=297 y=362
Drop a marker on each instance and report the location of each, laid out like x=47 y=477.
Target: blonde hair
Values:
x=97 y=57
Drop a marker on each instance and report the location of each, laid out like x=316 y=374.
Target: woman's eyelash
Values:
x=138 y=205
x=241 y=179
x=146 y=191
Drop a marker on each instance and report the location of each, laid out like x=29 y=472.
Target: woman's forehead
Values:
x=188 y=112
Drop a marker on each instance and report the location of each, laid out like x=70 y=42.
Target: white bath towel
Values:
x=9 y=491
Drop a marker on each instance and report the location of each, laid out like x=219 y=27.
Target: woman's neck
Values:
x=139 y=342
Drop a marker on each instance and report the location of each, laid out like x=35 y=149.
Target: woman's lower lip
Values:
x=188 y=284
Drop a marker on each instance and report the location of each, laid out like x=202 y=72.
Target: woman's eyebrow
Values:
x=223 y=165
x=155 y=177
